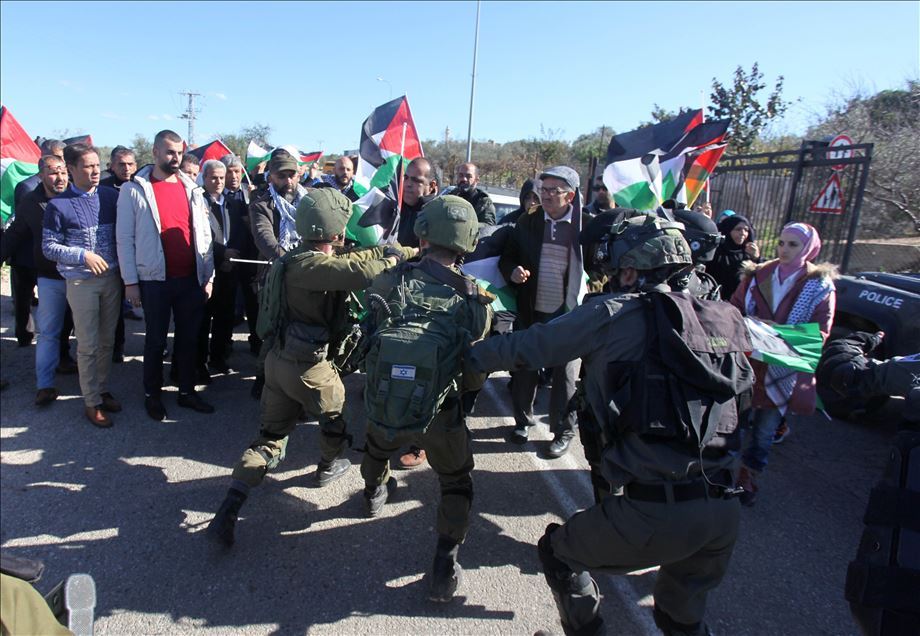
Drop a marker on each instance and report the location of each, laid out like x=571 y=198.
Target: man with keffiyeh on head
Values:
x=789 y=290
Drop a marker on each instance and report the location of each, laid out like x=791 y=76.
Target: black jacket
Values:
x=23 y=237
x=405 y=233
x=481 y=202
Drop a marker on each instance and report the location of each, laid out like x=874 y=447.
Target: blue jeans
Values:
x=760 y=438
x=50 y=313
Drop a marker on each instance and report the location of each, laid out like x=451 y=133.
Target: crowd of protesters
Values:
x=180 y=241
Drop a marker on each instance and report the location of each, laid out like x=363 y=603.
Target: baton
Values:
x=246 y=260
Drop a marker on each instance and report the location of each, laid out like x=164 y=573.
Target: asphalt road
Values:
x=129 y=506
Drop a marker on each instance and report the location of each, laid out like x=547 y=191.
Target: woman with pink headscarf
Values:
x=789 y=290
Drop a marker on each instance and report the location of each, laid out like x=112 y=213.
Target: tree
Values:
x=743 y=103
x=239 y=142
x=592 y=144
x=143 y=149
x=891 y=121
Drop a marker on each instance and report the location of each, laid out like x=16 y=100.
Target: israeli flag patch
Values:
x=402 y=372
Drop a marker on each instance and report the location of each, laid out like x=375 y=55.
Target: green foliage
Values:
x=239 y=142
x=743 y=103
x=143 y=149
x=593 y=144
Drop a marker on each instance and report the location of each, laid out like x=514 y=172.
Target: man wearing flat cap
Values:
x=542 y=260
x=272 y=210
x=303 y=313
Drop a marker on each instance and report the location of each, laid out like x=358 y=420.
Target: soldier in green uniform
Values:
x=422 y=304
x=304 y=309
x=662 y=372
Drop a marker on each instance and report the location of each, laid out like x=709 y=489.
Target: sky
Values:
x=310 y=70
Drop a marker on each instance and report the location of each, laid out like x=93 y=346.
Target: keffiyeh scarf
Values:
x=288 y=237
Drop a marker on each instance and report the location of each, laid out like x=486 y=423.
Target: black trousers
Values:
x=184 y=300
x=218 y=318
x=22 y=286
x=246 y=277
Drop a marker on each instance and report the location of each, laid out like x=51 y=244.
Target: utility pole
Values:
x=190 y=114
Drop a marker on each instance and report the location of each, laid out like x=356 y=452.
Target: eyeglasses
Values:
x=552 y=191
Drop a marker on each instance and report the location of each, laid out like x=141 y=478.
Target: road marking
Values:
x=620 y=584
x=50 y=539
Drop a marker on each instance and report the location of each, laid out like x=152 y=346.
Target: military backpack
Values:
x=414 y=355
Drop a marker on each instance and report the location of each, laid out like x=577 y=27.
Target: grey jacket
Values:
x=137 y=231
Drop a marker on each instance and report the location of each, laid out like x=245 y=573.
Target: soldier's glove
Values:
x=394 y=252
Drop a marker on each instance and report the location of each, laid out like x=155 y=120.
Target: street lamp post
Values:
x=469 y=130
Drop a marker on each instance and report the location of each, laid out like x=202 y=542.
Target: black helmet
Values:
x=701 y=232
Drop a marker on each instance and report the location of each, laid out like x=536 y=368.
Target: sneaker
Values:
x=44 y=397
x=155 y=408
x=67 y=366
x=109 y=403
x=376 y=497
x=560 y=444
x=782 y=432
x=413 y=459
x=746 y=481
x=193 y=401
x=97 y=416
x=328 y=473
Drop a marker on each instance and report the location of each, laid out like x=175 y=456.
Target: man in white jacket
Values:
x=164 y=246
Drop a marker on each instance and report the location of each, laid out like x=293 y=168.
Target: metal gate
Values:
x=813 y=184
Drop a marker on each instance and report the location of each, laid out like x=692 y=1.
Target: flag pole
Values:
x=399 y=170
x=469 y=130
x=703 y=120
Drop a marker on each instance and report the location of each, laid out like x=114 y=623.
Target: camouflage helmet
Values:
x=322 y=214
x=449 y=222
x=645 y=242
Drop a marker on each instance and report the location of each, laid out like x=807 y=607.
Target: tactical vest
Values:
x=683 y=389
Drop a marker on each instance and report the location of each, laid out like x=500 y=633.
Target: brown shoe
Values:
x=109 y=403
x=97 y=416
x=413 y=459
x=747 y=481
x=44 y=397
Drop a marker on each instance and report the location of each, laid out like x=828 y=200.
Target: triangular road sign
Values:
x=830 y=199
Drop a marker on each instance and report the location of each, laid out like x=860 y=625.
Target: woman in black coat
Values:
x=739 y=245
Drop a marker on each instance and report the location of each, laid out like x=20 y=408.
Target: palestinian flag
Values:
x=213 y=150
x=79 y=139
x=682 y=157
x=482 y=265
x=18 y=160
x=633 y=175
x=388 y=136
x=796 y=347
x=373 y=219
x=389 y=141
x=256 y=154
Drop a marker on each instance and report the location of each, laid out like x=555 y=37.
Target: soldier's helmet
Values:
x=449 y=222
x=702 y=234
x=322 y=214
x=644 y=242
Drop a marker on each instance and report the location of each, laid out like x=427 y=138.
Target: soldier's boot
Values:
x=326 y=473
x=222 y=526
x=670 y=627
x=376 y=496
x=446 y=573
x=335 y=441
x=577 y=596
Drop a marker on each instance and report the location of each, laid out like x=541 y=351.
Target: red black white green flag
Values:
x=389 y=141
x=211 y=150
x=18 y=160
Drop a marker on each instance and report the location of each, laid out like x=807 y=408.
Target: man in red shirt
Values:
x=164 y=240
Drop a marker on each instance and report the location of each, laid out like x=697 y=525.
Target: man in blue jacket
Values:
x=79 y=235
